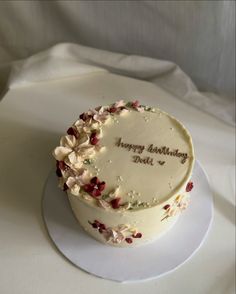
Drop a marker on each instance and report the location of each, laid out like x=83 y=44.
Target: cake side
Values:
x=126 y=169
x=127 y=228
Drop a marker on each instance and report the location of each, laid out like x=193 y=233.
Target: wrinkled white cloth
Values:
x=68 y=60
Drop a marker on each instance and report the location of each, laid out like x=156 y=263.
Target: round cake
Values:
x=126 y=169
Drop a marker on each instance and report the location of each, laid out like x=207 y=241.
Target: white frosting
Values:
x=157 y=181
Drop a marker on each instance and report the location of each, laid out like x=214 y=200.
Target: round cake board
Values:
x=129 y=264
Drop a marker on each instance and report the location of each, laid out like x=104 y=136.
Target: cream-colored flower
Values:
x=180 y=203
x=123 y=228
x=87 y=126
x=114 y=236
x=100 y=114
x=104 y=204
x=72 y=150
x=76 y=181
x=67 y=143
x=61 y=152
x=114 y=193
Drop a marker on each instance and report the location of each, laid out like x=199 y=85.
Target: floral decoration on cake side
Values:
x=118 y=234
x=77 y=149
x=180 y=203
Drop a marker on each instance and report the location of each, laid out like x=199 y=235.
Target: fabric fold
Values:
x=66 y=60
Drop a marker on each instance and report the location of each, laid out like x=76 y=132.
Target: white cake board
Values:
x=129 y=264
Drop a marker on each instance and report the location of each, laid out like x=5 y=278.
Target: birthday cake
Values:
x=126 y=169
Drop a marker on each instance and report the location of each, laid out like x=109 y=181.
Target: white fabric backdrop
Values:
x=199 y=36
x=71 y=60
x=32 y=119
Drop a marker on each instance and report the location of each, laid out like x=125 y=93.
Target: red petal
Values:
x=95 y=181
x=166 y=206
x=112 y=109
x=135 y=103
x=71 y=131
x=138 y=235
x=101 y=186
x=94 y=225
x=95 y=193
x=65 y=187
x=129 y=240
x=102 y=227
x=94 y=140
x=115 y=203
x=88 y=188
x=189 y=187
x=83 y=116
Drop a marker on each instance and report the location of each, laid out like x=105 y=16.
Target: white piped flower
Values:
x=61 y=152
x=75 y=182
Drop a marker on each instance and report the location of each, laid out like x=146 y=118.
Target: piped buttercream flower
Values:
x=72 y=151
x=180 y=203
x=136 y=105
x=74 y=182
x=95 y=187
x=189 y=186
x=72 y=131
x=118 y=107
x=114 y=235
x=60 y=167
x=86 y=126
x=98 y=114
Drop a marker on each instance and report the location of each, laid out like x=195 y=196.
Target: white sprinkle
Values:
x=109 y=161
x=120 y=179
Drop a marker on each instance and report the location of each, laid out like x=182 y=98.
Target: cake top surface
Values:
x=125 y=156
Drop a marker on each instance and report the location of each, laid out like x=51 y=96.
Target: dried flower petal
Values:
x=94 y=139
x=189 y=186
x=104 y=204
x=65 y=187
x=94 y=180
x=101 y=186
x=115 y=203
x=61 y=152
x=72 y=131
x=138 y=235
x=166 y=206
x=129 y=240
